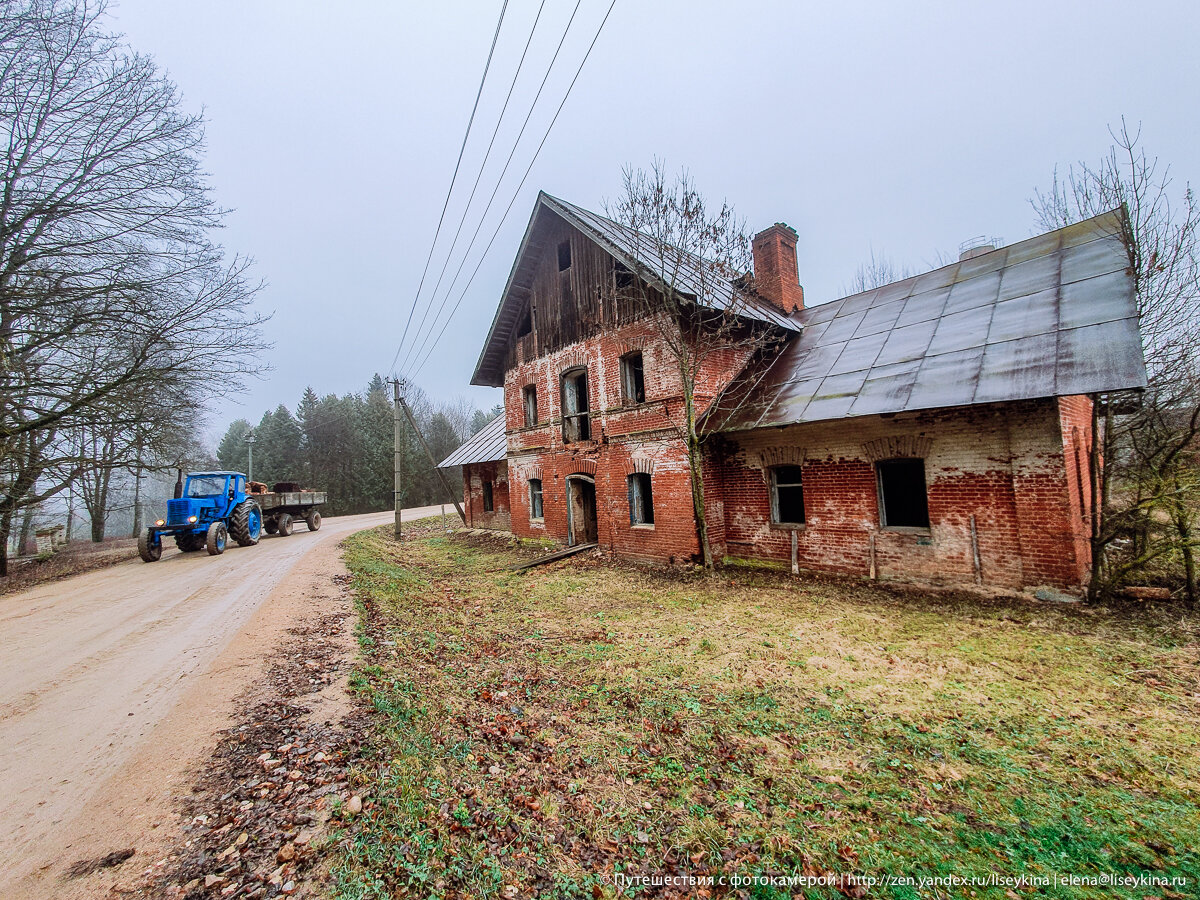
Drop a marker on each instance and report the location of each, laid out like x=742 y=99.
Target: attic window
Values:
x=622 y=278
x=525 y=324
x=575 y=419
x=903 y=501
x=564 y=256
x=633 y=379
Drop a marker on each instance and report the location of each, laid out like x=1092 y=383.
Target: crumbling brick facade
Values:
x=1002 y=467
x=475 y=479
x=986 y=489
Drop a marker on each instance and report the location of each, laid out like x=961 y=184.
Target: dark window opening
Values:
x=623 y=279
x=564 y=256
x=641 y=500
x=633 y=380
x=576 y=422
x=903 y=502
x=535 y=498
x=529 y=401
x=787 y=495
x=487 y=497
x=525 y=325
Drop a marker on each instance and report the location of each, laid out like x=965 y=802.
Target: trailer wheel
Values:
x=149 y=546
x=313 y=521
x=245 y=525
x=270 y=526
x=189 y=541
x=285 y=524
x=216 y=538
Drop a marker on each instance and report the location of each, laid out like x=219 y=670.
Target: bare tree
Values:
x=876 y=272
x=693 y=285
x=1145 y=494
x=112 y=296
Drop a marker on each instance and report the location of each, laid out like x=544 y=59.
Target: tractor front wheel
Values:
x=218 y=536
x=149 y=546
x=313 y=521
x=245 y=525
x=285 y=524
x=189 y=542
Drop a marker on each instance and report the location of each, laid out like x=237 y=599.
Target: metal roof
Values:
x=487 y=445
x=1050 y=316
x=634 y=250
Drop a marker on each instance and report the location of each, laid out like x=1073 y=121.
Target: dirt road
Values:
x=122 y=675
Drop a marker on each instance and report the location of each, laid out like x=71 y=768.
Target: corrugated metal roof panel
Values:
x=1051 y=316
x=489 y=444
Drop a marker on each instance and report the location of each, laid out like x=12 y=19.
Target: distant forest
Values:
x=344 y=445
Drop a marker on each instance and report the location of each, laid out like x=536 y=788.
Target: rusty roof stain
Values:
x=1050 y=316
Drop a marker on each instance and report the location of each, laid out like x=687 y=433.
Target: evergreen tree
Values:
x=232 y=451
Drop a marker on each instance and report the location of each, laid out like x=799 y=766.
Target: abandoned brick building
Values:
x=935 y=428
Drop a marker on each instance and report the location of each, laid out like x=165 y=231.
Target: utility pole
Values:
x=250 y=455
x=432 y=461
x=396 y=401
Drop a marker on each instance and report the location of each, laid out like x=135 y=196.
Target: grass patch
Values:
x=541 y=732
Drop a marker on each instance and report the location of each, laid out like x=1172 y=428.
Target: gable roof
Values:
x=630 y=248
x=487 y=445
x=1050 y=316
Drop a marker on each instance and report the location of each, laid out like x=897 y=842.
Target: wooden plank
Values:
x=557 y=555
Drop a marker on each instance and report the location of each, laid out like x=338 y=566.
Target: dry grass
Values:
x=542 y=731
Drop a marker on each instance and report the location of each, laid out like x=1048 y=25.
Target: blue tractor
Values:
x=206 y=512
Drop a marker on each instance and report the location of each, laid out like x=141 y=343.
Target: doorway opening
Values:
x=581 y=510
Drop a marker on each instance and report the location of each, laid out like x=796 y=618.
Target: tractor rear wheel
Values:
x=217 y=537
x=189 y=542
x=313 y=521
x=285 y=524
x=245 y=525
x=149 y=548
x=271 y=526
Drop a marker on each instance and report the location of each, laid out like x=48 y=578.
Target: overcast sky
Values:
x=899 y=128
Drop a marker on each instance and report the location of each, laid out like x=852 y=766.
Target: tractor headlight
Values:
x=160 y=522
x=192 y=520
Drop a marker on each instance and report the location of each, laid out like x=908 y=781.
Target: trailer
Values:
x=282 y=508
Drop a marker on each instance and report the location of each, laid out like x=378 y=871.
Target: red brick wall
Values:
x=625 y=438
x=1002 y=464
x=474 y=477
x=1008 y=465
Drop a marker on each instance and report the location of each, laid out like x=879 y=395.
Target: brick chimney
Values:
x=776 y=276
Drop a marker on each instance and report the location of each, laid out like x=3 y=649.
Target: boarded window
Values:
x=787 y=496
x=633 y=380
x=529 y=401
x=535 y=498
x=641 y=500
x=487 y=497
x=575 y=420
x=564 y=256
x=903 y=502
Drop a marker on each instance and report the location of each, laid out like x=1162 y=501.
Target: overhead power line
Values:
x=478 y=177
x=414 y=351
x=453 y=178
x=516 y=193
